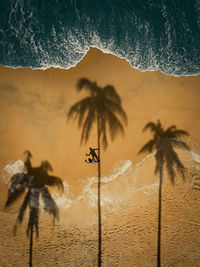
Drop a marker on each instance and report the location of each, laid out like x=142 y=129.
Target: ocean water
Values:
x=151 y=34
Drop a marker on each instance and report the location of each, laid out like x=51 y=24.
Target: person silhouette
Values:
x=93 y=154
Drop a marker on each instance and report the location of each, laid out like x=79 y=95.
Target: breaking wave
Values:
x=150 y=35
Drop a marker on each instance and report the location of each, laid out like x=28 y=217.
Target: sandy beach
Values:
x=33 y=115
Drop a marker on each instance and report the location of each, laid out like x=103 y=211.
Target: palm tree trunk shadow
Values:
x=159 y=216
x=99 y=199
x=31 y=247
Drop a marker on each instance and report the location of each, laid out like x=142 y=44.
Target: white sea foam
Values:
x=63 y=200
x=194 y=153
x=122 y=170
x=12 y=168
x=195 y=156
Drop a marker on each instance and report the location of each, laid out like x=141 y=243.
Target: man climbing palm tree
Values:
x=163 y=143
x=93 y=154
x=103 y=107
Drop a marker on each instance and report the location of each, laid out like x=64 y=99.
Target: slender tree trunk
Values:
x=159 y=217
x=99 y=196
x=31 y=247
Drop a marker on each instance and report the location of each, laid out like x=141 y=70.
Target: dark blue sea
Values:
x=151 y=34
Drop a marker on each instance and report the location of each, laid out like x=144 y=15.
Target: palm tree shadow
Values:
x=101 y=107
x=163 y=143
x=34 y=181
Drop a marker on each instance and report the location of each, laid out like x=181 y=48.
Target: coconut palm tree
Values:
x=101 y=107
x=163 y=143
x=35 y=180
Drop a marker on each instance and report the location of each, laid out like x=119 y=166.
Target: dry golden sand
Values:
x=33 y=106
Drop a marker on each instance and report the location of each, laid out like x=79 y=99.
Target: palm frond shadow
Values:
x=35 y=181
x=164 y=142
x=104 y=103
